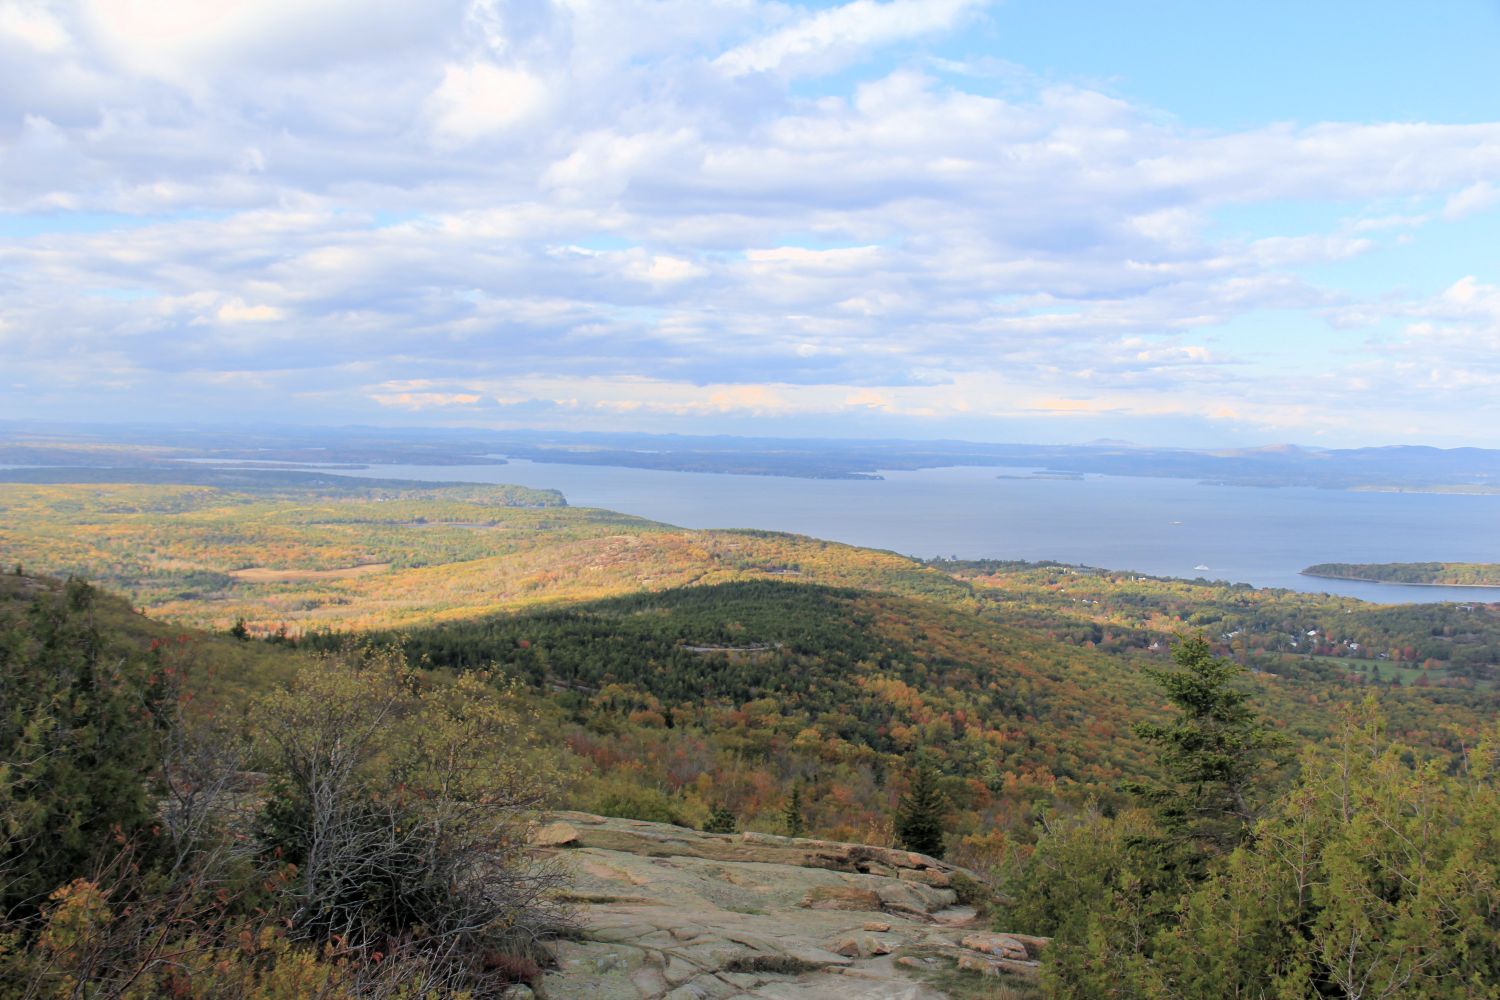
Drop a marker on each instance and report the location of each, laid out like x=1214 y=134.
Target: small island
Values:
x=1419 y=574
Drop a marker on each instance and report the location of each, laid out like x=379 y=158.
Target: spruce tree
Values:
x=791 y=813
x=1214 y=754
x=919 y=815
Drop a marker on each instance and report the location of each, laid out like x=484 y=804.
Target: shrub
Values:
x=649 y=804
x=721 y=820
x=402 y=801
x=1376 y=875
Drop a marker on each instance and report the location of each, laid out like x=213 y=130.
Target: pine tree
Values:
x=791 y=813
x=919 y=815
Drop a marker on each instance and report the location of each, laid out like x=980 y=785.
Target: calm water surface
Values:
x=1162 y=527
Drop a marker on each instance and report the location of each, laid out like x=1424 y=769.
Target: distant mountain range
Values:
x=1404 y=467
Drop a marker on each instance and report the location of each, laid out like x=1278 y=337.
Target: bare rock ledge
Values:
x=674 y=914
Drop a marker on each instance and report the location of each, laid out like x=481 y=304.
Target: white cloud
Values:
x=1477 y=197
x=603 y=162
x=966 y=396
x=185 y=43
x=663 y=268
x=842 y=30
x=236 y=311
x=481 y=98
x=158 y=36
x=421 y=394
x=33 y=25
x=838 y=258
x=377 y=191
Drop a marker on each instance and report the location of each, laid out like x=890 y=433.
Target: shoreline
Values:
x=1399 y=583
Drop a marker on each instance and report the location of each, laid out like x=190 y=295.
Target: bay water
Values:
x=1160 y=527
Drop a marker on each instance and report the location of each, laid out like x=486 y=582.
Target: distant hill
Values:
x=108 y=450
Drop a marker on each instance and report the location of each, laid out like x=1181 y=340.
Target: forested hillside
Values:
x=1280 y=631
x=194 y=816
x=720 y=680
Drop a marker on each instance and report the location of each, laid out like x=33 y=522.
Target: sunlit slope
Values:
x=377 y=558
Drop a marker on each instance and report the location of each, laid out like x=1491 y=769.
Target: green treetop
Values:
x=791 y=813
x=919 y=815
x=1214 y=755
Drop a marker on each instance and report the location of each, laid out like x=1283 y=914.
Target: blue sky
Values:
x=1178 y=223
x=1239 y=65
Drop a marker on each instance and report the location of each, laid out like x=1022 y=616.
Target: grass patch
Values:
x=776 y=965
x=599 y=899
x=957 y=984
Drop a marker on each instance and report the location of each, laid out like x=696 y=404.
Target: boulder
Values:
x=861 y=946
x=927 y=876
x=957 y=916
x=998 y=945
x=978 y=963
x=555 y=835
x=1034 y=945
x=916 y=898
x=990 y=965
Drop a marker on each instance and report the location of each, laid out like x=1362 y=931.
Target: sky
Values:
x=1037 y=220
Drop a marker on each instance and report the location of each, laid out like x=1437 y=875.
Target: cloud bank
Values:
x=704 y=215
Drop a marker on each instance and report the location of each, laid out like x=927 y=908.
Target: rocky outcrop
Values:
x=674 y=914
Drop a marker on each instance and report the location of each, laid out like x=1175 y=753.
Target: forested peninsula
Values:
x=1420 y=574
